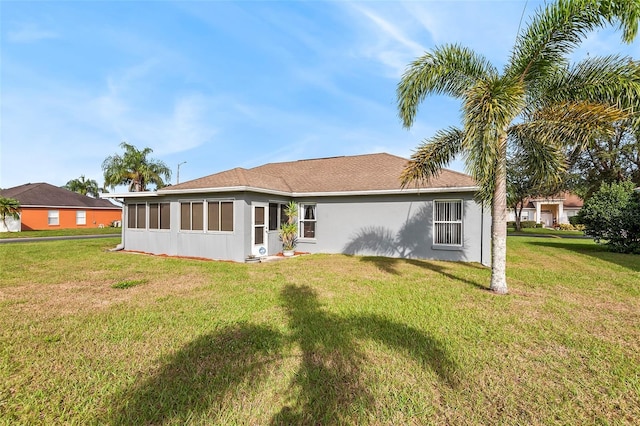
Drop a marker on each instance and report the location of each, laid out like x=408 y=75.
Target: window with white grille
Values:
x=447 y=222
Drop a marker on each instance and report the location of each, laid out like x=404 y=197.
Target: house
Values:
x=551 y=210
x=350 y=204
x=44 y=206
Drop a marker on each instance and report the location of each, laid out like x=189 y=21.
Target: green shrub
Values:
x=612 y=217
x=575 y=220
x=523 y=224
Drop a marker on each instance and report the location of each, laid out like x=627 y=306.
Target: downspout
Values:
x=482 y=233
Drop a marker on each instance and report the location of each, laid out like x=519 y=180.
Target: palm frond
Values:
x=613 y=80
x=558 y=28
x=449 y=70
x=432 y=155
x=569 y=123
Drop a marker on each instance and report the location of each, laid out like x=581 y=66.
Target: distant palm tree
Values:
x=84 y=186
x=9 y=207
x=537 y=103
x=134 y=169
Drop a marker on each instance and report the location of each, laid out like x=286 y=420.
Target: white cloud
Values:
x=29 y=33
x=386 y=39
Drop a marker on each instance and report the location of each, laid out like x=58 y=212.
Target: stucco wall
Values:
x=177 y=242
x=394 y=226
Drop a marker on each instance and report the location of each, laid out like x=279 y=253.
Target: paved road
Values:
x=62 y=237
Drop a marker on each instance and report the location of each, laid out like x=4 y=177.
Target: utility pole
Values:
x=178 y=174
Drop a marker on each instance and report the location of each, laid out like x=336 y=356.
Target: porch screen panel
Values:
x=185 y=216
x=165 y=216
x=214 y=216
x=258 y=229
x=131 y=216
x=142 y=215
x=273 y=216
x=226 y=216
x=153 y=215
x=447 y=222
x=197 y=216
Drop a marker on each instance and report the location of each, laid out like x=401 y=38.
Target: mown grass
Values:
x=318 y=339
x=61 y=232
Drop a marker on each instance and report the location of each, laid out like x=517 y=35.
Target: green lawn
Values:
x=90 y=336
x=61 y=232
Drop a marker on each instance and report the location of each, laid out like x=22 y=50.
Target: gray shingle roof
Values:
x=370 y=172
x=46 y=195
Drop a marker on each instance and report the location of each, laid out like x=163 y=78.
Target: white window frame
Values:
x=137 y=217
x=53 y=217
x=219 y=202
x=302 y=220
x=204 y=215
x=160 y=216
x=81 y=217
x=280 y=216
x=456 y=223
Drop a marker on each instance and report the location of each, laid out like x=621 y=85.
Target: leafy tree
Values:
x=537 y=103
x=84 y=186
x=134 y=169
x=609 y=159
x=9 y=207
x=612 y=216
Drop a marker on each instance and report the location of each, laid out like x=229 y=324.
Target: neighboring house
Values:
x=44 y=206
x=351 y=205
x=551 y=210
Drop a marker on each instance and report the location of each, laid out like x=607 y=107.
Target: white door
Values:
x=259 y=237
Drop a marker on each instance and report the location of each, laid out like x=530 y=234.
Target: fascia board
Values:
x=311 y=194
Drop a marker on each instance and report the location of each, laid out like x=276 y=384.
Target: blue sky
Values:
x=228 y=84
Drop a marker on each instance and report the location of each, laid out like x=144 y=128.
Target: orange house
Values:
x=44 y=206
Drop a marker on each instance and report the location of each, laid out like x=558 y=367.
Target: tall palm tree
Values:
x=134 y=169
x=9 y=207
x=537 y=103
x=83 y=186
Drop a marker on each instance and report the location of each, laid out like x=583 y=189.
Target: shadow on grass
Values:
x=329 y=387
x=390 y=265
x=587 y=247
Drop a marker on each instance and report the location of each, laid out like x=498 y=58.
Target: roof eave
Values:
x=293 y=194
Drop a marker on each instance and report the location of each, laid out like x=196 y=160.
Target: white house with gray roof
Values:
x=350 y=205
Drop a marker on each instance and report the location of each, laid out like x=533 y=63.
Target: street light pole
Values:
x=178 y=174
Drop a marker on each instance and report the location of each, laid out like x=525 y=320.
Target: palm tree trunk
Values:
x=499 y=226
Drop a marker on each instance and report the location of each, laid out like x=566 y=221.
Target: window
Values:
x=137 y=216
x=192 y=215
x=308 y=221
x=81 y=217
x=159 y=215
x=220 y=216
x=447 y=222
x=53 y=217
x=276 y=215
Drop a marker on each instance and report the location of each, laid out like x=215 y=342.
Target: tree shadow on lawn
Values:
x=630 y=261
x=390 y=265
x=329 y=387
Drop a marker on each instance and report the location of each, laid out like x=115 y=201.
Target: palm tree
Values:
x=84 y=186
x=9 y=207
x=537 y=103
x=134 y=169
